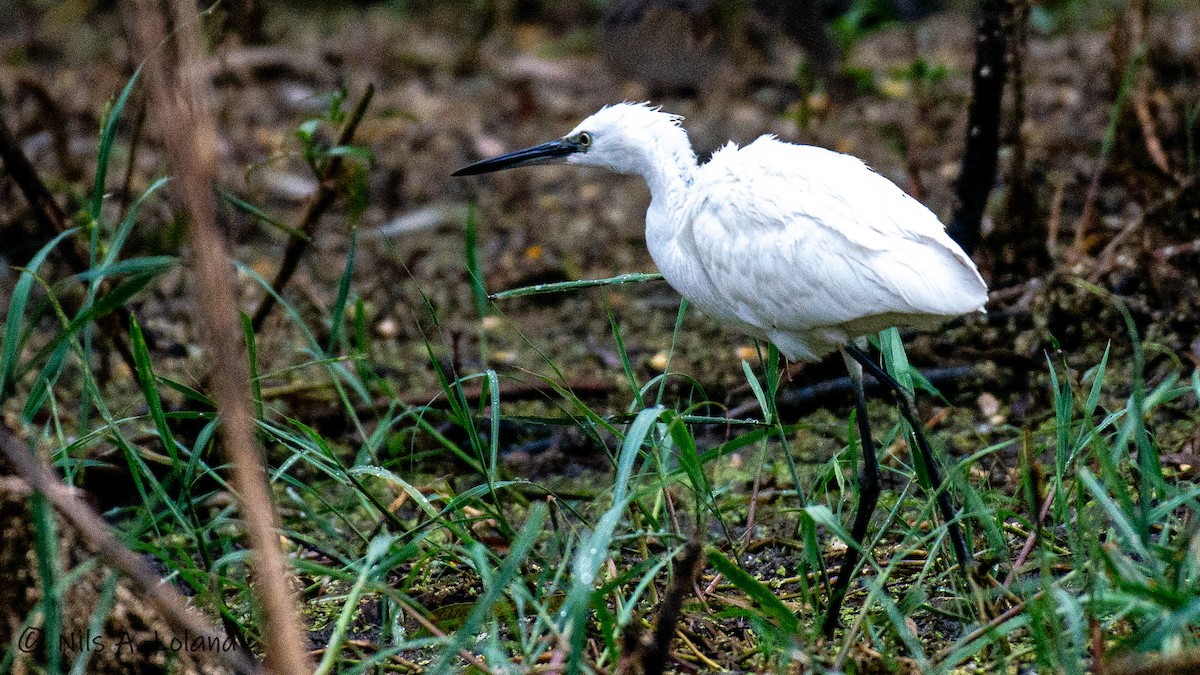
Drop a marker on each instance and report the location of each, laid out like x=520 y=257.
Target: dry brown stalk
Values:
x=191 y=140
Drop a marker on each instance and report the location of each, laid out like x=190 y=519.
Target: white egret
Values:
x=801 y=246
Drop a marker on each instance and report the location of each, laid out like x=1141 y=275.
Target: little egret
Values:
x=804 y=247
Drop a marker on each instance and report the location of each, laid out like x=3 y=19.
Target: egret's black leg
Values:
x=908 y=410
x=868 y=497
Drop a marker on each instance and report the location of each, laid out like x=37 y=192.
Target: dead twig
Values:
x=326 y=192
x=1106 y=261
x=191 y=139
x=1185 y=663
x=1138 y=101
x=91 y=527
x=647 y=655
x=1132 y=58
x=1141 y=110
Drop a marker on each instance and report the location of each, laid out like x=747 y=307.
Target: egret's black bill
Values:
x=538 y=154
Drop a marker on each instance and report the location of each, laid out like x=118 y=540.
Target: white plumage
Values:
x=798 y=245
x=794 y=244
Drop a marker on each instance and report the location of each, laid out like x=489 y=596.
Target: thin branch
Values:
x=996 y=21
x=52 y=221
x=320 y=203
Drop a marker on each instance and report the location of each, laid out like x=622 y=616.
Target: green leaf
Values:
x=107 y=136
x=145 y=376
x=105 y=304
x=352 y=152
x=754 y=589
x=16 y=311
x=255 y=212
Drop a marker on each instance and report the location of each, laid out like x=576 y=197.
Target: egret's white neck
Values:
x=668 y=163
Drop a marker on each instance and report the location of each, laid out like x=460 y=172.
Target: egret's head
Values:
x=621 y=138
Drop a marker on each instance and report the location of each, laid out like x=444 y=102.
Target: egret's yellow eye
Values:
x=585 y=140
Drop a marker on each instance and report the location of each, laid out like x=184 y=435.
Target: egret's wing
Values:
x=801 y=237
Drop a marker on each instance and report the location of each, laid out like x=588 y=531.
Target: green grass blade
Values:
x=662 y=382
x=895 y=359
x=350 y=607
x=689 y=460
x=49 y=568
x=1129 y=531
x=103 y=305
x=16 y=311
x=107 y=136
x=257 y=213
x=623 y=354
x=754 y=589
x=45 y=380
x=564 y=286
x=492 y=389
x=1063 y=409
x=252 y=361
x=187 y=392
x=759 y=394
x=117 y=243
x=471 y=254
x=339 y=305
x=104 y=603
x=500 y=581
x=145 y=376
x=1093 y=397
x=134 y=266
x=593 y=550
